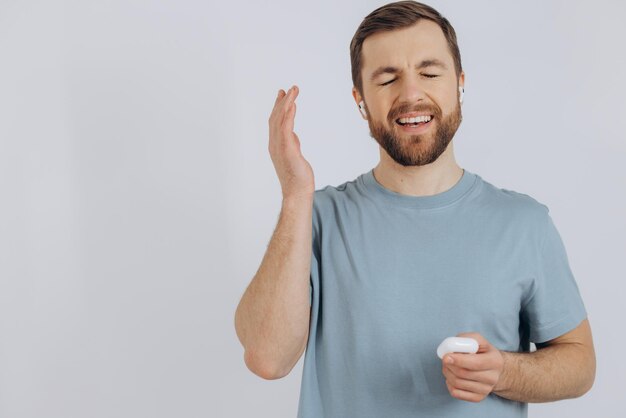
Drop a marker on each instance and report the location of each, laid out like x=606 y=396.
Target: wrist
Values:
x=298 y=200
x=503 y=384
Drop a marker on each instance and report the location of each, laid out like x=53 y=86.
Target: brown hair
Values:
x=398 y=15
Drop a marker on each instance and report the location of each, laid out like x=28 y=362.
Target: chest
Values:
x=423 y=280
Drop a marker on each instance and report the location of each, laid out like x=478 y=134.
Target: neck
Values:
x=426 y=180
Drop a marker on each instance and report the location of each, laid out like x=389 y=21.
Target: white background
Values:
x=138 y=195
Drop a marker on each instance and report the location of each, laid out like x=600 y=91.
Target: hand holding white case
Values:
x=457 y=345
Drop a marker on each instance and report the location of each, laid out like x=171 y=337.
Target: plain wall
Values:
x=138 y=194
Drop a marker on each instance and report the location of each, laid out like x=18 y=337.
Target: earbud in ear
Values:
x=461 y=91
x=361 y=109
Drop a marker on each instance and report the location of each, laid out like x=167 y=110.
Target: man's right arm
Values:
x=272 y=319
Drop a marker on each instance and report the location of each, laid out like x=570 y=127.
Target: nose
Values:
x=412 y=89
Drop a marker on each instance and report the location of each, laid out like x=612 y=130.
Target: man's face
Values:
x=390 y=95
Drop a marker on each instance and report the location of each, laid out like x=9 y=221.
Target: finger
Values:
x=289 y=112
x=471 y=386
x=290 y=98
x=483 y=344
x=484 y=376
x=296 y=141
x=464 y=395
x=274 y=112
x=473 y=362
x=278 y=112
x=281 y=94
x=289 y=118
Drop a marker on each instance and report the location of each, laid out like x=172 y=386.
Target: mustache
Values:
x=395 y=113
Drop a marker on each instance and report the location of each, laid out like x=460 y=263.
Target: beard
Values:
x=421 y=149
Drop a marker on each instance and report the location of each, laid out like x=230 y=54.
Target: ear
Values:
x=462 y=79
x=358 y=99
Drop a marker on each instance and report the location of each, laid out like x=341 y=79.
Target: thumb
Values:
x=483 y=344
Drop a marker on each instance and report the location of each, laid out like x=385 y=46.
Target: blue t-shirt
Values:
x=392 y=275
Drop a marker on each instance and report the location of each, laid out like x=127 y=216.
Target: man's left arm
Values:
x=561 y=368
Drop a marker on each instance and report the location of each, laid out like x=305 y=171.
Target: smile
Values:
x=415 y=127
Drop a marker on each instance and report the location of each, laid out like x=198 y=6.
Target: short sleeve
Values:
x=315 y=255
x=555 y=306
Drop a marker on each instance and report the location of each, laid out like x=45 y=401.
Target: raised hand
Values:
x=294 y=172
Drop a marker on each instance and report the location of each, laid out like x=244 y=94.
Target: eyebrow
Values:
x=432 y=62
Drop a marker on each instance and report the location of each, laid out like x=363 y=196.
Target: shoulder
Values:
x=332 y=202
x=330 y=196
x=513 y=211
x=512 y=202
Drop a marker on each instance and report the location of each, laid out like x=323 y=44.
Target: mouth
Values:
x=415 y=126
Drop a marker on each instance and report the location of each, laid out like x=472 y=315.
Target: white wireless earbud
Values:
x=361 y=109
x=461 y=90
x=457 y=345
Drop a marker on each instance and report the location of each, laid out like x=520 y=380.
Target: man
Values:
x=409 y=253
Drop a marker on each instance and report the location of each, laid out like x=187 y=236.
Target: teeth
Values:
x=415 y=119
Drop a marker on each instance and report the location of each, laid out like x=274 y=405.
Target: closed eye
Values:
x=425 y=75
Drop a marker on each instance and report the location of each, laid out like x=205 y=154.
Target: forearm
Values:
x=559 y=371
x=272 y=319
